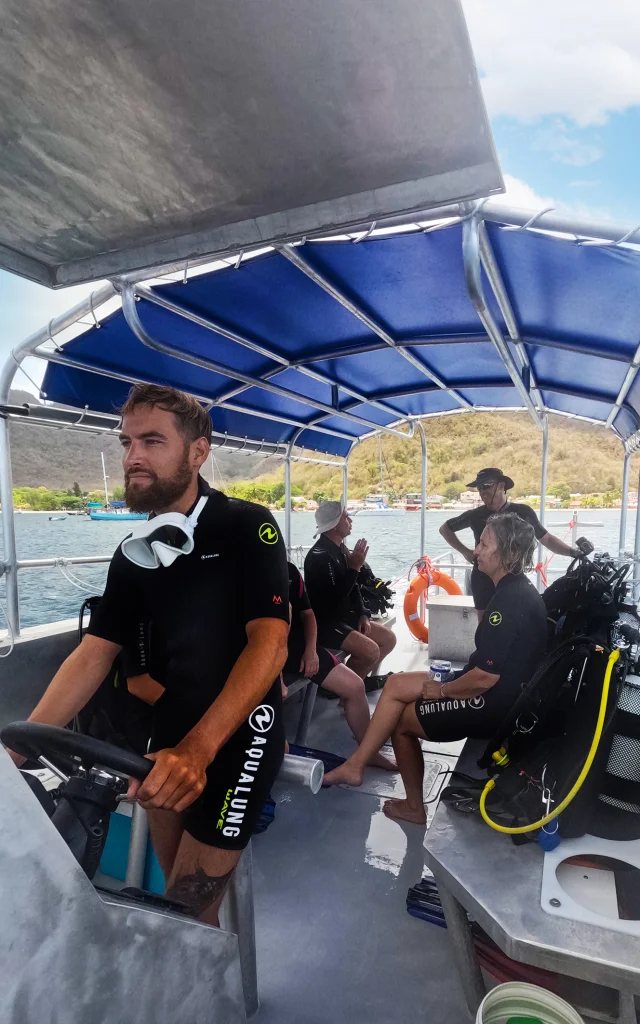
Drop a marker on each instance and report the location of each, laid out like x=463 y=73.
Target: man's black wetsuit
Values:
x=198 y=609
x=333 y=591
x=475 y=519
x=299 y=601
x=510 y=642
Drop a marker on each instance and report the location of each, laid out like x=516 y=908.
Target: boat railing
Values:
x=456 y=568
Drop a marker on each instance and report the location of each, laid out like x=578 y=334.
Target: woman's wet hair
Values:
x=516 y=542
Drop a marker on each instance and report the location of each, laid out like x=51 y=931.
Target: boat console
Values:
x=75 y=953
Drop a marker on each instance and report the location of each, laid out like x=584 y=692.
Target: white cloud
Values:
x=565 y=147
x=518 y=193
x=575 y=58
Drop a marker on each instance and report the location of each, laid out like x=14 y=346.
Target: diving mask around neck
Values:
x=159 y=541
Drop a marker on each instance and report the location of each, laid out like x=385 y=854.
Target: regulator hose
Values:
x=521 y=829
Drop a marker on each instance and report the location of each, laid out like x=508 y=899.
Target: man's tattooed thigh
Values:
x=198 y=890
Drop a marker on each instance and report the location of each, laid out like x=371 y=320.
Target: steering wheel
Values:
x=31 y=739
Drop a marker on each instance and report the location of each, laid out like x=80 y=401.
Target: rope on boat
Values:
x=75 y=581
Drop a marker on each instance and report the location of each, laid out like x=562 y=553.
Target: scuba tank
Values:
x=567 y=756
x=618 y=808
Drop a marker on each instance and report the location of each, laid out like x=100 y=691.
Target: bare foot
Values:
x=401 y=811
x=346 y=773
x=380 y=761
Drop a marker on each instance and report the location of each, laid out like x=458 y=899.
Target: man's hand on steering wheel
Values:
x=175 y=781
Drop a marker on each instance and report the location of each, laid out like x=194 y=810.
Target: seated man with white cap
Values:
x=331 y=575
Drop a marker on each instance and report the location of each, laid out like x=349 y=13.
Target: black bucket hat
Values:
x=492 y=476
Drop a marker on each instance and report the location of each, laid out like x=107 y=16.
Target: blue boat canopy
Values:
x=324 y=342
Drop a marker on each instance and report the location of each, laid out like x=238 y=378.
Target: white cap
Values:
x=328 y=515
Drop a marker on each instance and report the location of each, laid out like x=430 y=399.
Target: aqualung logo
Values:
x=495 y=618
x=262 y=718
x=268 y=534
x=457 y=704
x=234 y=805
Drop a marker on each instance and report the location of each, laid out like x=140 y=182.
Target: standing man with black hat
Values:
x=493 y=485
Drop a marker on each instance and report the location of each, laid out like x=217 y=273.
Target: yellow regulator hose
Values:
x=613 y=657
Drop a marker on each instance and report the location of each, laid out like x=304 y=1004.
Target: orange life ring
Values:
x=419 y=584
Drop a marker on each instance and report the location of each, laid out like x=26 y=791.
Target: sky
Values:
x=561 y=80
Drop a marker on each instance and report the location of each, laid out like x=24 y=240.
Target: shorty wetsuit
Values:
x=198 y=609
x=333 y=591
x=475 y=519
x=299 y=601
x=510 y=642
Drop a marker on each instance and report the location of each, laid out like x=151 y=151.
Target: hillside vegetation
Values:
x=56 y=458
x=583 y=459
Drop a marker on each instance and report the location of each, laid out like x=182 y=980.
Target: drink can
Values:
x=440 y=670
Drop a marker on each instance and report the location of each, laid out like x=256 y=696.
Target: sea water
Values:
x=394 y=540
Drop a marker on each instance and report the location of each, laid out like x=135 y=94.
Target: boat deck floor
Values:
x=334 y=940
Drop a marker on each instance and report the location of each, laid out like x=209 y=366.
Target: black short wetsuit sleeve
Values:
x=330 y=581
x=117 y=616
x=472 y=519
x=298 y=597
x=262 y=563
x=462 y=522
x=499 y=630
x=527 y=513
x=136 y=655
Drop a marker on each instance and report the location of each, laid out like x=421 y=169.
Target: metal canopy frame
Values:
x=478 y=259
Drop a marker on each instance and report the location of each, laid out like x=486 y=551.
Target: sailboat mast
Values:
x=104 y=476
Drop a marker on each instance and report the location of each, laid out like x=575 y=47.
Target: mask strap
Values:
x=193 y=518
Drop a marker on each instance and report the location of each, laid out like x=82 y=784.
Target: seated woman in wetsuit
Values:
x=510 y=642
x=318 y=664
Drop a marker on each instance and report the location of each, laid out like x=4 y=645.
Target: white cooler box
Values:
x=452 y=625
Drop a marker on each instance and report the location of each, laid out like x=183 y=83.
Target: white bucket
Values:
x=517 y=999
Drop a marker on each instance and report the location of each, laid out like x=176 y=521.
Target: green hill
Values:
x=583 y=458
x=56 y=458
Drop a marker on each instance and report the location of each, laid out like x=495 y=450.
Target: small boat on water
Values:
x=114 y=510
x=376 y=505
x=111 y=509
x=53 y=519
x=99 y=516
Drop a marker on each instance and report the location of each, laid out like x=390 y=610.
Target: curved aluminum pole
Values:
x=345 y=469
x=622 y=541
x=7 y=374
x=287 y=502
x=473 y=279
x=543 y=491
x=636 y=554
x=287 y=489
x=8 y=530
x=423 y=488
x=139 y=330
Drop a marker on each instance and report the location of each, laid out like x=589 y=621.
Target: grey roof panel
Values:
x=137 y=134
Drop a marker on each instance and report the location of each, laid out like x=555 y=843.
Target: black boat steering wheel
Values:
x=33 y=740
